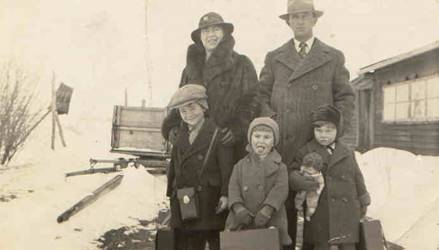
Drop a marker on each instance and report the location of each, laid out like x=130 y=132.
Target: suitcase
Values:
x=371 y=235
x=255 y=239
x=165 y=239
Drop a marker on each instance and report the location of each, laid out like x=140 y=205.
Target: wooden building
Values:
x=397 y=103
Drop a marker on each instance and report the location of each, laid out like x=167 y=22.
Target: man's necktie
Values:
x=302 y=49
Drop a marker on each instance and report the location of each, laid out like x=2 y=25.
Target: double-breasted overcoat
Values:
x=337 y=217
x=292 y=87
x=256 y=183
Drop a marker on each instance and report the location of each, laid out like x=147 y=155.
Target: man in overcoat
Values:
x=301 y=75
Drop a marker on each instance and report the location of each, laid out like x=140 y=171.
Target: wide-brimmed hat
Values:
x=189 y=93
x=297 y=6
x=210 y=19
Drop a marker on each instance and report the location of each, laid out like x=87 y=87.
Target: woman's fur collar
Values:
x=221 y=59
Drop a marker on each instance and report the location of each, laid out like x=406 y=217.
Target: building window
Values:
x=415 y=100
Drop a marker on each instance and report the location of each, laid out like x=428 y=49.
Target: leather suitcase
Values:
x=371 y=235
x=255 y=239
x=165 y=239
x=188 y=201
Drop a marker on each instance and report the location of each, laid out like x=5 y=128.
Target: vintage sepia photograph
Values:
x=219 y=125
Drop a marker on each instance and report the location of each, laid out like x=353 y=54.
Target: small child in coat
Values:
x=311 y=167
x=258 y=186
x=344 y=199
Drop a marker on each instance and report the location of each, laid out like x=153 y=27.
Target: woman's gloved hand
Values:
x=227 y=138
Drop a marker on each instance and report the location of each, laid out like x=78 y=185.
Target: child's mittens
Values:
x=299 y=182
x=242 y=215
x=263 y=216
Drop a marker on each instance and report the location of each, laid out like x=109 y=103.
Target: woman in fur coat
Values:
x=230 y=79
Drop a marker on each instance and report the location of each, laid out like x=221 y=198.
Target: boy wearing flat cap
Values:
x=189 y=169
x=344 y=198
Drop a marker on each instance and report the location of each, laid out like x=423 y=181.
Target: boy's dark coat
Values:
x=338 y=213
x=186 y=162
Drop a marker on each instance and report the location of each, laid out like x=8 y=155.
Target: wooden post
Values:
x=126 y=97
x=61 y=134
x=89 y=199
x=53 y=107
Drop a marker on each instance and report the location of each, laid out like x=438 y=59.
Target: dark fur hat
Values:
x=326 y=113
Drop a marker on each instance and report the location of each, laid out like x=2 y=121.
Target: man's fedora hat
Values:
x=297 y=6
x=210 y=19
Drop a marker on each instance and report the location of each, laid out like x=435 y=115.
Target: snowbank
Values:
x=404 y=189
x=43 y=193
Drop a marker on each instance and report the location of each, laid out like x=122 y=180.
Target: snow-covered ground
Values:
x=403 y=187
x=37 y=179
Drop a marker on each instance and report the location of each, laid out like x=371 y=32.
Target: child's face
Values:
x=191 y=113
x=325 y=133
x=262 y=141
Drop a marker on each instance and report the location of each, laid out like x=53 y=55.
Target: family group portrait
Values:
x=219 y=125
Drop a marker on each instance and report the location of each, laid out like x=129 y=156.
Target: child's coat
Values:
x=256 y=183
x=338 y=214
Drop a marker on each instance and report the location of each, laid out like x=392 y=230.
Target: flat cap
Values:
x=187 y=93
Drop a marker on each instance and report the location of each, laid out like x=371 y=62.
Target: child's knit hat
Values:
x=265 y=121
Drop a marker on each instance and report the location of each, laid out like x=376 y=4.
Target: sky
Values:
x=103 y=47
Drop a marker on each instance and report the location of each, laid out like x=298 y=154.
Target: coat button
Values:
x=245 y=188
x=315 y=87
x=200 y=157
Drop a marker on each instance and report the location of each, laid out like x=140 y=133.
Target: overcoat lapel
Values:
x=200 y=143
x=288 y=56
x=340 y=153
x=318 y=56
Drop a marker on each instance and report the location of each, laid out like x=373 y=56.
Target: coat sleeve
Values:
x=235 y=195
x=248 y=106
x=266 y=81
x=363 y=195
x=170 y=174
x=225 y=159
x=172 y=120
x=343 y=94
x=279 y=193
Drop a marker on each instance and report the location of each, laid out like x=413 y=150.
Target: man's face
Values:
x=326 y=133
x=302 y=24
x=211 y=37
x=191 y=113
x=262 y=141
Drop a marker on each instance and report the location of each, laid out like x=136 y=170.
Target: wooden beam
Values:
x=53 y=108
x=89 y=199
x=61 y=134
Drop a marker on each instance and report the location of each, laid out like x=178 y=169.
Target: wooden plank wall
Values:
x=419 y=137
